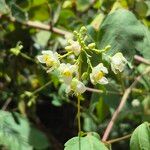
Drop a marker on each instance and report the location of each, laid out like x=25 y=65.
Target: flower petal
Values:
x=40 y=59
x=113 y=68
x=80 y=88
x=49 y=52
x=67 y=80
x=103 y=80
x=68 y=89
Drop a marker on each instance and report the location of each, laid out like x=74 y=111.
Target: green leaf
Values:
x=18 y=13
x=148 y=5
x=101 y=109
x=141 y=8
x=89 y=124
x=145 y=81
x=89 y=142
x=16 y=133
x=3 y=7
x=144 y=49
x=66 y=17
x=146 y=106
x=57 y=14
x=56 y=101
x=140 y=139
x=34 y=3
x=124 y=33
x=83 y=5
x=40 y=13
x=42 y=37
x=97 y=21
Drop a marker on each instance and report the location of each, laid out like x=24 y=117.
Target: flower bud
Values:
x=73 y=46
x=16 y=51
x=83 y=29
x=107 y=47
x=84 y=76
x=92 y=45
x=135 y=103
x=118 y=63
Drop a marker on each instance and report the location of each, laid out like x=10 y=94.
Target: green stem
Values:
x=27 y=57
x=65 y=55
x=30 y=59
x=78 y=116
x=120 y=78
x=88 y=60
x=41 y=88
x=79 y=121
x=97 y=51
x=119 y=139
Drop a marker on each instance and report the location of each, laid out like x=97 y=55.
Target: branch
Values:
x=42 y=26
x=122 y=103
x=8 y=101
x=94 y=90
x=101 y=91
x=142 y=60
x=119 y=139
x=41 y=88
x=39 y=25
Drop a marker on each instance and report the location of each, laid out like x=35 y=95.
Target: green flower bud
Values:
x=84 y=76
x=92 y=45
x=16 y=50
x=107 y=47
x=83 y=29
x=75 y=33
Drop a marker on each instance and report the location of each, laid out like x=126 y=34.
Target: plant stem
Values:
x=85 y=110
x=119 y=139
x=101 y=91
x=38 y=25
x=122 y=81
x=41 y=88
x=65 y=55
x=79 y=121
x=8 y=101
x=122 y=103
x=27 y=57
x=23 y=55
x=78 y=116
x=142 y=60
x=88 y=60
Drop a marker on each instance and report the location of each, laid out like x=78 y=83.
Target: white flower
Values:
x=135 y=103
x=50 y=59
x=118 y=63
x=74 y=46
x=68 y=71
x=76 y=86
x=98 y=74
x=71 y=57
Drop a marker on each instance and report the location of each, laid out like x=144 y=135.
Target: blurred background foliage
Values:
x=41 y=116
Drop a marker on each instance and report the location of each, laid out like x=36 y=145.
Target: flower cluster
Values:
x=68 y=72
x=71 y=72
